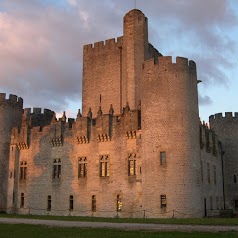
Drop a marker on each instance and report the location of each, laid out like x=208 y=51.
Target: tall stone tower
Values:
x=170 y=136
x=226 y=127
x=112 y=70
x=10 y=116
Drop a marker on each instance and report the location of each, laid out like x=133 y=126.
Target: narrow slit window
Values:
x=49 y=203
x=163 y=158
x=132 y=164
x=163 y=202
x=93 y=203
x=22 y=200
x=119 y=203
x=71 y=202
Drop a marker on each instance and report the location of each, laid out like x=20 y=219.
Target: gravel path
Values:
x=121 y=226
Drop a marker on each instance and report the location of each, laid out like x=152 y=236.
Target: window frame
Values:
x=57 y=169
x=82 y=167
x=132 y=164
x=104 y=166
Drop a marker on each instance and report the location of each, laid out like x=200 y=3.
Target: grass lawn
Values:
x=195 y=221
x=34 y=231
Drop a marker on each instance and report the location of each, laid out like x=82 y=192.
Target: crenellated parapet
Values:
x=229 y=116
x=35 y=117
x=167 y=62
x=12 y=101
x=104 y=45
x=208 y=139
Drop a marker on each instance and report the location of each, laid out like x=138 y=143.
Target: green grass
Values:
x=193 y=221
x=32 y=231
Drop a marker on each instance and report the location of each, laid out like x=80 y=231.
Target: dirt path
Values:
x=122 y=226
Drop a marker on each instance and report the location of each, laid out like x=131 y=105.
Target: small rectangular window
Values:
x=56 y=168
x=131 y=164
x=49 y=203
x=119 y=203
x=22 y=200
x=23 y=170
x=82 y=167
x=163 y=202
x=71 y=203
x=104 y=166
x=163 y=158
x=93 y=203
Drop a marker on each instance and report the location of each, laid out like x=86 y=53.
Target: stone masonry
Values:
x=137 y=149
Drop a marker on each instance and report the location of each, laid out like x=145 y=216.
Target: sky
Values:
x=41 y=43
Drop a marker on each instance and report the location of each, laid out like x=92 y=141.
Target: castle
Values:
x=138 y=148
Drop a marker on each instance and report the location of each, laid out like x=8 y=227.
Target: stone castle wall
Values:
x=137 y=150
x=10 y=115
x=226 y=128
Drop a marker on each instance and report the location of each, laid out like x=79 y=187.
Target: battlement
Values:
x=12 y=100
x=168 y=61
x=219 y=116
x=102 y=45
x=36 y=117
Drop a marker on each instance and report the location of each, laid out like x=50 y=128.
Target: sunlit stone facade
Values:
x=137 y=150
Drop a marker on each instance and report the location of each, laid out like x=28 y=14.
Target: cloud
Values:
x=204 y=100
x=41 y=41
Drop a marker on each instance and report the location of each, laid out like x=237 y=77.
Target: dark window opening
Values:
x=119 y=203
x=93 y=203
x=22 y=200
x=49 y=203
x=71 y=203
x=57 y=168
x=163 y=202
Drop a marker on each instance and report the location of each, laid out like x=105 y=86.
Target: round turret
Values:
x=10 y=116
x=170 y=136
x=226 y=127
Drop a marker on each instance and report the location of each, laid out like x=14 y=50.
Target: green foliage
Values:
x=34 y=231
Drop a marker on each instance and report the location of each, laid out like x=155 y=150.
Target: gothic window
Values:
x=215 y=174
x=22 y=200
x=23 y=170
x=235 y=180
x=163 y=202
x=82 y=167
x=208 y=173
x=163 y=158
x=132 y=164
x=71 y=202
x=119 y=203
x=56 y=168
x=104 y=165
x=49 y=203
x=93 y=203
